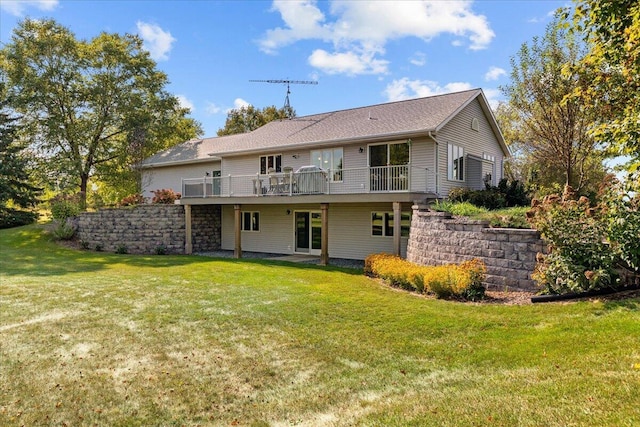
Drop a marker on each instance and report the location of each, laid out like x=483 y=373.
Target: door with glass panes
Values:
x=308 y=232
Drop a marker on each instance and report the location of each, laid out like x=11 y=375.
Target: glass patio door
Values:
x=308 y=232
x=388 y=167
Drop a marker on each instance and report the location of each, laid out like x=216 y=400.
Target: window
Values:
x=269 y=162
x=455 y=162
x=382 y=224
x=330 y=159
x=250 y=221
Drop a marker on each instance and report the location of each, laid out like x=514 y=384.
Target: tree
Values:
x=551 y=130
x=610 y=72
x=84 y=102
x=15 y=186
x=246 y=119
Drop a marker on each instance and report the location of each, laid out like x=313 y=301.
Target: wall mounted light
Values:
x=207 y=174
x=288 y=211
x=295 y=156
x=361 y=150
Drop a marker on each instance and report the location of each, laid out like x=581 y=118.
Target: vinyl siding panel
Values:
x=170 y=177
x=349 y=229
x=458 y=131
x=422 y=165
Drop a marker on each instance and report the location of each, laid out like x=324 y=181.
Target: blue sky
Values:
x=359 y=52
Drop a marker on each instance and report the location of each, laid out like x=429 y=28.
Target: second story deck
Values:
x=311 y=180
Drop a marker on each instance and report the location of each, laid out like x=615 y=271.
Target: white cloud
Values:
x=185 y=102
x=212 y=108
x=157 y=41
x=362 y=29
x=239 y=103
x=419 y=59
x=18 y=7
x=350 y=63
x=404 y=88
x=494 y=73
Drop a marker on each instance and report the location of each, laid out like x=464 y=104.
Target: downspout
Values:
x=437 y=161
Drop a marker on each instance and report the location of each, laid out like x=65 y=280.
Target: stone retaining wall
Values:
x=142 y=229
x=509 y=254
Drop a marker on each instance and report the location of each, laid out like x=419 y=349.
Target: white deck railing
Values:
x=377 y=179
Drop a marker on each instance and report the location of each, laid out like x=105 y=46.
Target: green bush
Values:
x=65 y=206
x=580 y=257
x=505 y=194
x=10 y=218
x=63 y=230
x=122 y=249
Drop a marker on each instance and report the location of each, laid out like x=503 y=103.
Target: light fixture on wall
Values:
x=361 y=150
x=288 y=211
x=295 y=156
x=207 y=174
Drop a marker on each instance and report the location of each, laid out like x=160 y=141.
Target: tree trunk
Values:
x=84 y=180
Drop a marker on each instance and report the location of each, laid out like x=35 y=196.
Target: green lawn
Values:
x=104 y=339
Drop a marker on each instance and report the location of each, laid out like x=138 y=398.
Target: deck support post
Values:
x=237 y=251
x=397 y=228
x=324 y=235
x=188 y=238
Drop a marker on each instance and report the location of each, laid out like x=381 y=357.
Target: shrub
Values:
x=99 y=247
x=160 y=249
x=165 y=196
x=132 y=200
x=122 y=249
x=14 y=217
x=580 y=259
x=445 y=281
x=505 y=194
x=65 y=206
x=63 y=230
x=84 y=244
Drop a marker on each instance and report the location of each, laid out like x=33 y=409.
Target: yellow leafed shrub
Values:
x=454 y=280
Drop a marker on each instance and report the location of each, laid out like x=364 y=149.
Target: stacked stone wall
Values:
x=142 y=229
x=509 y=254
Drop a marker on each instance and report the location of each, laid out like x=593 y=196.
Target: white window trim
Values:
x=252 y=214
x=450 y=149
x=385 y=231
x=332 y=168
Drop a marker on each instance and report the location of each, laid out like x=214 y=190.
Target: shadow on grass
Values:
x=29 y=250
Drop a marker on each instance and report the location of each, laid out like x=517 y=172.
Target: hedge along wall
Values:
x=141 y=229
x=509 y=254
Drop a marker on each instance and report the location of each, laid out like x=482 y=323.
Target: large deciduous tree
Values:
x=88 y=105
x=551 y=129
x=246 y=119
x=611 y=71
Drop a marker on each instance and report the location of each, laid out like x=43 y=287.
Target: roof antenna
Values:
x=287 y=106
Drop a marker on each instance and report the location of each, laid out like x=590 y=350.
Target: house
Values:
x=337 y=184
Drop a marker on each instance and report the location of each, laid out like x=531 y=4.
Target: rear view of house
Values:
x=337 y=184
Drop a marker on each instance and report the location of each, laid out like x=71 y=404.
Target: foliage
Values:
x=166 y=196
x=63 y=229
x=160 y=249
x=96 y=106
x=65 y=206
x=122 y=249
x=132 y=200
x=610 y=72
x=550 y=132
x=10 y=217
x=445 y=281
x=248 y=118
x=580 y=258
x=621 y=211
x=507 y=218
x=16 y=190
x=457 y=208
x=505 y=194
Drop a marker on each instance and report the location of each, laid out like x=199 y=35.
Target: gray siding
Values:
x=458 y=131
x=170 y=177
x=349 y=229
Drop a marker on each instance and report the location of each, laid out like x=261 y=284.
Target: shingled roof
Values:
x=382 y=121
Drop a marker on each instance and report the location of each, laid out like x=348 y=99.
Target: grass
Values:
x=507 y=217
x=104 y=339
